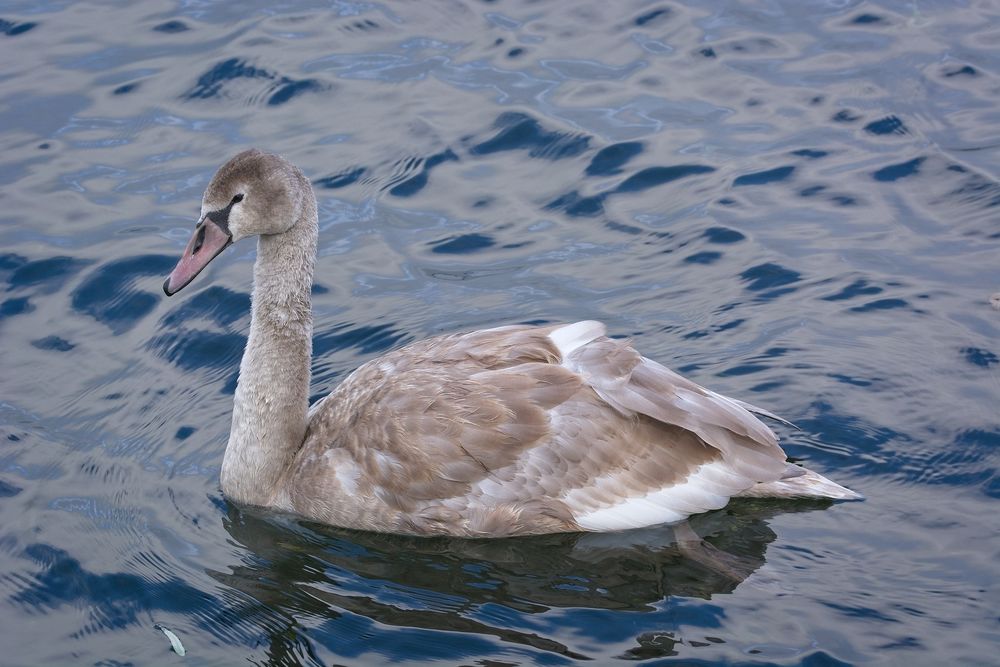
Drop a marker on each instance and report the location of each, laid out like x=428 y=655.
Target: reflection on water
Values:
x=793 y=203
x=477 y=587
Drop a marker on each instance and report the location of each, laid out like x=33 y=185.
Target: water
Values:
x=796 y=203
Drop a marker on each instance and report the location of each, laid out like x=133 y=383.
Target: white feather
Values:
x=576 y=335
x=707 y=488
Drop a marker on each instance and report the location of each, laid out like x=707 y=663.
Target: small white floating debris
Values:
x=175 y=642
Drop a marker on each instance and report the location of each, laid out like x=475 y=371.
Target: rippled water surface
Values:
x=795 y=203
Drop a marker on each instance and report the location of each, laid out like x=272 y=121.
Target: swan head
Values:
x=253 y=194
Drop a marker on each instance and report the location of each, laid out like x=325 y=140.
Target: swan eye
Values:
x=237 y=199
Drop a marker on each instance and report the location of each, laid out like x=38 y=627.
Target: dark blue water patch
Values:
x=651 y=177
x=851 y=380
x=894 y=172
x=109 y=295
x=12 y=307
x=979 y=357
x=714 y=329
x=811 y=153
x=519 y=131
x=210 y=83
x=12 y=29
x=704 y=257
x=416 y=183
x=125 y=89
x=835 y=428
x=767 y=387
x=516 y=52
x=10 y=261
x=575 y=205
x=366 y=339
x=975 y=189
x=652 y=15
x=341 y=180
x=964 y=70
x=881 y=304
x=229 y=387
x=194 y=350
x=844 y=200
x=54 y=343
x=610 y=159
x=113 y=600
x=319 y=289
x=8 y=490
x=845 y=116
x=769 y=276
x=992 y=486
x=965 y=463
x=859 y=287
x=819 y=658
x=185 y=432
x=707 y=52
x=743 y=369
x=171 y=27
x=463 y=244
x=868 y=19
x=887 y=125
x=215 y=303
x=722 y=235
x=52 y=272
x=764 y=177
x=289 y=88
x=811 y=190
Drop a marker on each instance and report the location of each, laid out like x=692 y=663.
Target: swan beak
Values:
x=210 y=239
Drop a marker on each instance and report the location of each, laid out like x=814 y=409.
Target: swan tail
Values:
x=798 y=482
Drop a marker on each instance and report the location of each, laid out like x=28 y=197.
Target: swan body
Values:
x=508 y=431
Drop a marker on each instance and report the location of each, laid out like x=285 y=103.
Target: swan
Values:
x=514 y=430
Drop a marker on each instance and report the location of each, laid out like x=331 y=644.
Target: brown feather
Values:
x=492 y=433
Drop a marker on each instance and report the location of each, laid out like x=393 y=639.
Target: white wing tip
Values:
x=807 y=484
x=572 y=336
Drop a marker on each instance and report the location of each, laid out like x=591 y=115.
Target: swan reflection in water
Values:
x=297 y=569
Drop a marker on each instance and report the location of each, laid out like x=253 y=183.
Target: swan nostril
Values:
x=198 y=241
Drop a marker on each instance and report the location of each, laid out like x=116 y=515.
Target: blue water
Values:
x=795 y=203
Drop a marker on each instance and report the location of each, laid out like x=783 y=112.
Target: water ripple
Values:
x=795 y=204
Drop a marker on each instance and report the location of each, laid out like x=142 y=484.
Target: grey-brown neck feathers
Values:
x=272 y=394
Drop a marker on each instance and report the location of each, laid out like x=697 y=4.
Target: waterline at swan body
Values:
x=508 y=431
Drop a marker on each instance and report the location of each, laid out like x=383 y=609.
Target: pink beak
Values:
x=208 y=241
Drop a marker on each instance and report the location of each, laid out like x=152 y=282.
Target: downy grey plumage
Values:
x=508 y=431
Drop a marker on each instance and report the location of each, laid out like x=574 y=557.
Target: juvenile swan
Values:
x=509 y=431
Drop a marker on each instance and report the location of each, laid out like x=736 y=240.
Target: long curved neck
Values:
x=272 y=394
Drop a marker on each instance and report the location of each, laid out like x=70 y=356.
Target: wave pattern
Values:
x=793 y=203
